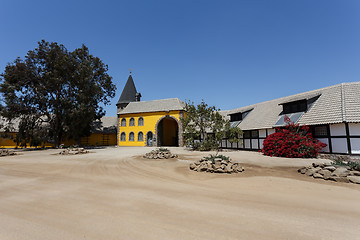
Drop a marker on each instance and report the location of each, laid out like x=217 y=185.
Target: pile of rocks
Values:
x=6 y=152
x=73 y=151
x=217 y=165
x=332 y=172
x=160 y=154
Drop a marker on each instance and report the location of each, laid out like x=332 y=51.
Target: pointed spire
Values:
x=129 y=94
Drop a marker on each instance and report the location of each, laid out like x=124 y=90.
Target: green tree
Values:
x=204 y=127
x=55 y=93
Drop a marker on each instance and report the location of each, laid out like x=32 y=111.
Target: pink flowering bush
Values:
x=292 y=141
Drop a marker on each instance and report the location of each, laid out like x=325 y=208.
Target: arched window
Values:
x=131 y=137
x=123 y=122
x=123 y=137
x=140 y=137
x=132 y=122
x=141 y=121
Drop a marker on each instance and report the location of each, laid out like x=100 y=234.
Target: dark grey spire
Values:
x=129 y=94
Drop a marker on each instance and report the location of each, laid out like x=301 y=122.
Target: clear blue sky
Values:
x=229 y=53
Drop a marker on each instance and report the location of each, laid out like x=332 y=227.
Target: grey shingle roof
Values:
x=129 y=92
x=336 y=104
x=161 y=105
x=105 y=125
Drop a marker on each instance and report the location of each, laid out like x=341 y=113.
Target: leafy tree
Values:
x=55 y=93
x=204 y=127
x=292 y=141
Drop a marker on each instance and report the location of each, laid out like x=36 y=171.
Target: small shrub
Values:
x=292 y=141
x=212 y=157
x=163 y=150
x=206 y=146
x=351 y=164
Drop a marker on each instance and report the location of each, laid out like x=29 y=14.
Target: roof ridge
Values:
x=156 y=100
x=276 y=99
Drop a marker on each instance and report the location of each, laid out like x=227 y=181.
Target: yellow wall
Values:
x=95 y=139
x=150 y=120
x=99 y=139
x=7 y=141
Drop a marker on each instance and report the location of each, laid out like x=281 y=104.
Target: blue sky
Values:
x=229 y=53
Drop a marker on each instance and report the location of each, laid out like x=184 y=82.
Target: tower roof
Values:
x=129 y=92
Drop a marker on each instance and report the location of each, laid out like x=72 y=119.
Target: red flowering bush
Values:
x=292 y=141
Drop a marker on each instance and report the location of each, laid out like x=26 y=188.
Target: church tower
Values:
x=129 y=94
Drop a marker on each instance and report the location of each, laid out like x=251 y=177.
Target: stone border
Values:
x=180 y=130
x=337 y=173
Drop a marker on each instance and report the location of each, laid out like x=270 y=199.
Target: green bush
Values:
x=353 y=165
x=212 y=157
x=163 y=150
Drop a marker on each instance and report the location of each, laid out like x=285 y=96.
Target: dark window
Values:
x=123 y=137
x=235 y=117
x=239 y=116
x=131 y=137
x=320 y=131
x=123 y=122
x=246 y=134
x=132 y=122
x=141 y=121
x=293 y=107
x=254 y=134
x=140 y=137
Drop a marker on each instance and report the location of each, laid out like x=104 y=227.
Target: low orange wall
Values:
x=95 y=139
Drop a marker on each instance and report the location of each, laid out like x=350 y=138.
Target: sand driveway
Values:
x=113 y=193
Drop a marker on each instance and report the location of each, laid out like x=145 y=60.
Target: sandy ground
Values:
x=115 y=194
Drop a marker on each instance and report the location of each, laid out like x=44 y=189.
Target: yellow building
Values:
x=103 y=133
x=148 y=123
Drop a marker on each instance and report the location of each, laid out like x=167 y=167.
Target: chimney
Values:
x=137 y=97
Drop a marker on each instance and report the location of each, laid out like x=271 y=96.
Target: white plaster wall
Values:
x=241 y=143
x=339 y=145
x=337 y=129
x=326 y=141
x=231 y=145
x=247 y=143
x=254 y=143
x=271 y=131
x=262 y=133
x=355 y=145
x=261 y=143
x=354 y=129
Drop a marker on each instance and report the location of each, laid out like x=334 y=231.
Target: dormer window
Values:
x=294 y=107
x=235 y=117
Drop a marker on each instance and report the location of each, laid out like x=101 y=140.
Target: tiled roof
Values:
x=161 y=105
x=336 y=104
x=129 y=92
x=105 y=125
x=352 y=102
